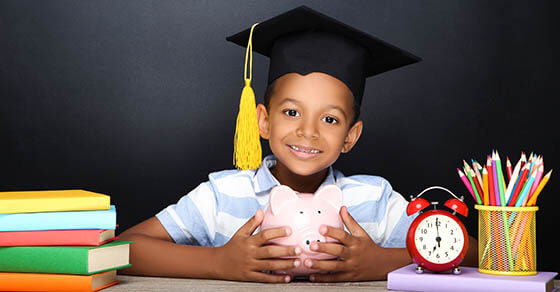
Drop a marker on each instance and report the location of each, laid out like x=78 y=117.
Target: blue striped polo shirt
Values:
x=211 y=213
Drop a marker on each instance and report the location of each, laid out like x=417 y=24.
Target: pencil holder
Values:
x=507 y=240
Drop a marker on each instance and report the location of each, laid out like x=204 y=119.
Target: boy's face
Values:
x=308 y=121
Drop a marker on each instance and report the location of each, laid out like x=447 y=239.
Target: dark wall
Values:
x=137 y=99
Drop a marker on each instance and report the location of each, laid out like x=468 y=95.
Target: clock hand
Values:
x=438 y=239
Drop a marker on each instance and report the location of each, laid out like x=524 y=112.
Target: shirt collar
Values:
x=264 y=180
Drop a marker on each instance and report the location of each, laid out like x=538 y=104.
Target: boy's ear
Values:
x=352 y=137
x=264 y=124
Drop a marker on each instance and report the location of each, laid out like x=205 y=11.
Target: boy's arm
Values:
x=154 y=253
x=244 y=257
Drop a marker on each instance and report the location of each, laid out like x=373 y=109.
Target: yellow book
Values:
x=52 y=201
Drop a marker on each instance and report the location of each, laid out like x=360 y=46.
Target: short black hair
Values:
x=270 y=91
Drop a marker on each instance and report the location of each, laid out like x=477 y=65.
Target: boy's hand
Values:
x=245 y=256
x=357 y=254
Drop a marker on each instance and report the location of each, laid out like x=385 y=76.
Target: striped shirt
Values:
x=212 y=212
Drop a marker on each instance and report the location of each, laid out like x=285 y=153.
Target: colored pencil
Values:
x=501 y=180
x=531 y=164
x=519 y=167
x=508 y=166
x=523 y=159
x=466 y=167
x=477 y=196
x=508 y=240
x=477 y=170
x=502 y=201
x=519 y=239
x=478 y=188
x=466 y=182
x=530 y=186
x=512 y=181
x=490 y=182
x=540 y=170
x=496 y=178
x=517 y=190
x=543 y=182
x=525 y=190
x=485 y=186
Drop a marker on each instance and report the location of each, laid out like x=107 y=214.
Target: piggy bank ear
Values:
x=330 y=193
x=280 y=196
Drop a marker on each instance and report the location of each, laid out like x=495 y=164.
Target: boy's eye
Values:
x=292 y=113
x=330 y=120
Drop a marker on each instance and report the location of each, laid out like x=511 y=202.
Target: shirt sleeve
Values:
x=192 y=219
x=398 y=221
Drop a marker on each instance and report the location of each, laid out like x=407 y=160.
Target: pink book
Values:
x=57 y=237
x=470 y=279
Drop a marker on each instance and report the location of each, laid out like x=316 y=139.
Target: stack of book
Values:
x=59 y=241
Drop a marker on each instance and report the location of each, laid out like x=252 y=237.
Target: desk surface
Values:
x=134 y=283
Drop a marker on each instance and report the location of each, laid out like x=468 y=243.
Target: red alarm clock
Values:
x=436 y=239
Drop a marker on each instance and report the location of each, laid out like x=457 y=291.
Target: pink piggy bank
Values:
x=304 y=213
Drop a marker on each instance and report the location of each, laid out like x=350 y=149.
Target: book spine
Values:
x=50 y=237
x=52 y=259
x=54 y=204
x=43 y=259
x=100 y=219
x=47 y=282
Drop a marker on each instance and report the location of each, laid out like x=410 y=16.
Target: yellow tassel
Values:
x=247 y=153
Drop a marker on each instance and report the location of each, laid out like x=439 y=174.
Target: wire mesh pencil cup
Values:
x=507 y=240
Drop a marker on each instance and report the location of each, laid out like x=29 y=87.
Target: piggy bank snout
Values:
x=308 y=238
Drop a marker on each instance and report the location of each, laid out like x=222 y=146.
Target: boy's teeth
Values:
x=303 y=150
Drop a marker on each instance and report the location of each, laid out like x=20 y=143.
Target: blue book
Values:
x=98 y=219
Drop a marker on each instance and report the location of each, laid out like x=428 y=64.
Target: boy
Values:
x=310 y=115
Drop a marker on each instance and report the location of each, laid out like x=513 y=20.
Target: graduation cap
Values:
x=302 y=41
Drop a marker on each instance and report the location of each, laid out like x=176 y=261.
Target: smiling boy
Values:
x=309 y=122
x=310 y=116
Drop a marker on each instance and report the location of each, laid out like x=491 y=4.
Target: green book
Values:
x=77 y=260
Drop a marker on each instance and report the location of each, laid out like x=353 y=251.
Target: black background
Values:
x=137 y=99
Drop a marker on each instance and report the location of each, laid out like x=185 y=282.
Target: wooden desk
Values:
x=134 y=283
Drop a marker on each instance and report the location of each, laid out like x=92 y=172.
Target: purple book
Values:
x=470 y=279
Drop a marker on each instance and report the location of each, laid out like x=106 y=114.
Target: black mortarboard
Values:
x=303 y=40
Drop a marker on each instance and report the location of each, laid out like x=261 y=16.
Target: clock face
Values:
x=439 y=239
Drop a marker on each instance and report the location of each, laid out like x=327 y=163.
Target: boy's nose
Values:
x=307 y=130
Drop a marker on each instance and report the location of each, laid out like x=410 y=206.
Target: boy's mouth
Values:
x=304 y=152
